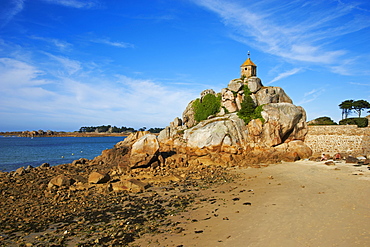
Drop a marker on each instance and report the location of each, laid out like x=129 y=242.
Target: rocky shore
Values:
x=70 y=205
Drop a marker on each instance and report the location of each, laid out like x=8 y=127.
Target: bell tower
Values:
x=248 y=68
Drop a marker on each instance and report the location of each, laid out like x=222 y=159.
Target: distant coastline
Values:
x=63 y=134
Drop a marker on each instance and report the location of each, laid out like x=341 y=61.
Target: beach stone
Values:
x=330 y=163
x=132 y=185
x=29 y=168
x=60 y=180
x=96 y=178
x=20 y=171
x=351 y=159
x=43 y=165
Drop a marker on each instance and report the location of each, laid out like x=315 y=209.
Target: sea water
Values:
x=16 y=152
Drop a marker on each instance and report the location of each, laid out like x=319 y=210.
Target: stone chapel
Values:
x=248 y=68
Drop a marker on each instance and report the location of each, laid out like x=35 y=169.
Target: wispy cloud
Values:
x=85 y=4
x=294 y=30
x=285 y=74
x=60 y=44
x=8 y=12
x=311 y=95
x=360 y=84
x=68 y=66
x=107 y=41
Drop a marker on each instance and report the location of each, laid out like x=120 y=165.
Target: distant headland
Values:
x=91 y=131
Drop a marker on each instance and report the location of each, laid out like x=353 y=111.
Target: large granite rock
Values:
x=268 y=95
x=188 y=115
x=144 y=151
x=228 y=100
x=235 y=85
x=218 y=131
x=254 y=84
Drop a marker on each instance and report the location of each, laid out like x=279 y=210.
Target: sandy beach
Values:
x=304 y=203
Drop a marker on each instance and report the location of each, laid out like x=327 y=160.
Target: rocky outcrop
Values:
x=223 y=139
x=215 y=139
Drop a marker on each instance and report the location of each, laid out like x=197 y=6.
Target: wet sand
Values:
x=304 y=203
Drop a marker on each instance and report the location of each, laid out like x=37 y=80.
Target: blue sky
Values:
x=71 y=63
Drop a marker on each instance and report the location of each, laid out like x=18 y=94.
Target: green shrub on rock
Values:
x=209 y=105
x=360 y=122
x=248 y=109
x=322 y=121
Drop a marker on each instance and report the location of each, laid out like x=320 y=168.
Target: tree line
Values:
x=349 y=106
x=115 y=129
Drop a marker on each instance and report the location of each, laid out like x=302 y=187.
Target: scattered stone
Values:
x=20 y=171
x=351 y=159
x=96 y=178
x=247 y=203
x=60 y=181
x=199 y=231
x=44 y=165
x=329 y=163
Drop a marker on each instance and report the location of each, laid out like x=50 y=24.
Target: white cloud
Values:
x=15 y=73
x=285 y=74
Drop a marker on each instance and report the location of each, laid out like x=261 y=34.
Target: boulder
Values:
x=132 y=185
x=281 y=123
x=235 y=85
x=132 y=138
x=20 y=171
x=207 y=91
x=228 y=100
x=271 y=95
x=177 y=122
x=60 y=180
x=44 y=165
x=351 y=159
x=188 y=115
x=144 y=151
x=254 y=84
x=98 y=178
x=217 y=131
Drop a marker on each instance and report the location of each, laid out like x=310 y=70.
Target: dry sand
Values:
x=290 y=204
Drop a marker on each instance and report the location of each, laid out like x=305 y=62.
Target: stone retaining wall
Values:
x=332 y=139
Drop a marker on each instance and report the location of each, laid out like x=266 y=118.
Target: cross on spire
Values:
x=249 y=54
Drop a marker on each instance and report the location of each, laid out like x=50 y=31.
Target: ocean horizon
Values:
x=16 y=152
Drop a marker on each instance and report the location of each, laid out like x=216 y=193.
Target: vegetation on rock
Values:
x=209 y=105
x=322 y=121
x=249 y=110
x=360 y=122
